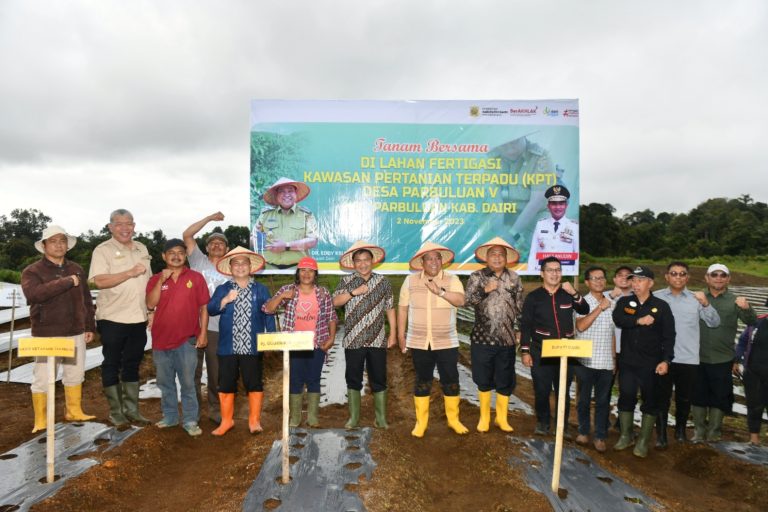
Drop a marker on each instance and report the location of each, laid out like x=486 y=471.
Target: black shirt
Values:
x=549 y=316
x=645 y=345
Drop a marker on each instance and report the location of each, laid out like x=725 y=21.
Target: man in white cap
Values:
x=428 y=306
x=555 y=235
x=714 y=384
x=285 y=231
x=367 y=300
x=56 y=291
x=216 y=245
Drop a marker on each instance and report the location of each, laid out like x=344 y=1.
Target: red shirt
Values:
x=177 y=316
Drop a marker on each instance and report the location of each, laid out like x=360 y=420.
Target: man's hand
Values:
x=88 y=336
x=165 y=275
x=391 y=339
x=604 y=303
x=492 y=285
x=75 y=280
x=645 y=320
x=229 y=297
x=742 y=302
x=325 y=347
x=568 y=288
x=202 y=340
x=662 y=368
x=137 y=270
x=218 y=216
x=432 y=286
x=277 y=246
x=401 y=342
x=702 y=298
x=527 y=360
x=360 y=290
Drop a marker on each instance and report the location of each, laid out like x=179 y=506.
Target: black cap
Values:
x=557 y=193
x=173 y=242
x=641 y=271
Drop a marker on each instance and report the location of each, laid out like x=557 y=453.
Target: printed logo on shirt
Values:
x=566 y=306
x=189 y=283
x=654 y=310
x=630 y=311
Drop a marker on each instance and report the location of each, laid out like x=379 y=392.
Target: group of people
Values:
x=213 y=310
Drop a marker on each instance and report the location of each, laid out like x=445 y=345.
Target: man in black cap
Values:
x=647 y=349
x=556 y=235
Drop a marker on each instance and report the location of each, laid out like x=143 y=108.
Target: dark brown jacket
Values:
x=57 y=307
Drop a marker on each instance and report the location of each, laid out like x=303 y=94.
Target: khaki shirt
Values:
x=290 y=225
x=431 y=319
x=125 y=303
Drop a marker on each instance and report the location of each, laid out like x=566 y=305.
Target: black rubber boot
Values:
x=661 y=430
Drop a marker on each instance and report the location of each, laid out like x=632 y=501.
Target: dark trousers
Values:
x=211 y=369
x=249 y=367
x=493 y=367
x=122 y=346
x=374 y=360
x=601 y=381
x=682 y=377
x=756 y=391
x=446 y=360
x=306 y=368
x=714 y=386
x=545 y=374
x=633 y=378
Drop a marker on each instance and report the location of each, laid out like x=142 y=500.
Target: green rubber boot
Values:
x=380 y=407
x=353 y=399
x=131 y=403
x=313 y=409
x=295 y=401
x=626 y=422
x=646 y=432
x=715 y=424
x=115 y=399
x=699 y=415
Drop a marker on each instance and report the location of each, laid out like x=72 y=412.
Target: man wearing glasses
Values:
x=714 y=384
x=548 y=314
x=688 y=308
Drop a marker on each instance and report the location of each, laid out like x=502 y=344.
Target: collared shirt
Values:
x=125 y=303
x=562 y=242
x=496 y=313
x=326 y=315
x=274 y=223
x=200 y=262
x=601 y=332
x=717 y=343
x=687 y=312
x=549 y=316
x=431 y=319
x=177 y=316
x=364 y=315
x=645 y=345
x=259 y=321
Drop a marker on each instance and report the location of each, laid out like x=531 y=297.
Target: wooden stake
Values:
x=561 y=398
x=10 y=340
x=50 y=411
x=286 y=407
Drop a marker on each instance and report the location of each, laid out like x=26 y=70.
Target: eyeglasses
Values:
x=553 y=270
x=718 y=275
x=678 y=274
x=597 y=279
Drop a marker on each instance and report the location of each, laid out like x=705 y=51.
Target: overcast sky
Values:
x=144 y=104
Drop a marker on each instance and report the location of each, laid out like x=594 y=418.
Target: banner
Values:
x=399 y=173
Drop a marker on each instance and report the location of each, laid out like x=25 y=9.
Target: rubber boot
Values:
x=353 y=400
x=131 y=403
x=39 y=405
x=699 y=424
x=680 y=424
x=421 y=404
x=625 y=439
x=73 y=396
x=313 y=409
x=646 y=432
x=295 y=400
x=227 y=403
x=255 y=399
x=661 y=430
x=714 y=425
x=484 y=423
x=452 y=414
x=380 y=408
x=115 y=399
x=502 y=409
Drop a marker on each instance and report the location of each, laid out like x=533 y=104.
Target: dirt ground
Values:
x=167 y=470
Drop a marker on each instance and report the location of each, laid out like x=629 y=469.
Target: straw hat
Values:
x=302 y=190
x=224 y=265
x=346 y=259
x=53 y=230
x=481 y=253
x=445 y=252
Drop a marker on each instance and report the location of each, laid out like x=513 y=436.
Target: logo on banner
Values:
x=523 y=112
x=474 y=111
x=549 y=112
x=571 y=113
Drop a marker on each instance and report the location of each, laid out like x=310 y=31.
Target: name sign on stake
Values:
x=51 y=347
x=299 y=340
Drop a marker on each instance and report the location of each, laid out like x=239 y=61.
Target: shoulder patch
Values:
x=304 y=209
x=268 y=208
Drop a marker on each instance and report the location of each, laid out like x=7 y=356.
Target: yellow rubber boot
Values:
x=255 y=400
x=502 y=407
x=73 y=396
x=39 y=405
x=421 y=403
x=452 y=414
x=484 y=424
x=227 y=401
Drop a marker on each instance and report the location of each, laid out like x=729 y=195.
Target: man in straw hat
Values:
x=285 y=231
x=179 y=328
x=496 y=293
x=216 y=245
x=367 y=299
x=428 y=304
x=239 y=303
x=55 y=290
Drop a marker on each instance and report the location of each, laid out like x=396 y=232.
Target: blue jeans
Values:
x=601 y=381
x=181 y=362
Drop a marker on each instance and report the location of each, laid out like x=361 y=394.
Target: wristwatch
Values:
x=442 y=292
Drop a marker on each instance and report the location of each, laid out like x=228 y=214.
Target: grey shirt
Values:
x=687 y=312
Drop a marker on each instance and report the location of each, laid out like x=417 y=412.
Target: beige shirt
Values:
x=431 y=319
x=125 y=303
